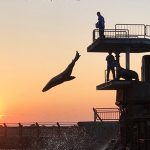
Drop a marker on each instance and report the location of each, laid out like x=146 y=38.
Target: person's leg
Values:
x=103 y=33
x=113 y=73
x=99 y=32
x=108 y=71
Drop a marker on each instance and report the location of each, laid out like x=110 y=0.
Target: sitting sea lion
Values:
x=126 y=74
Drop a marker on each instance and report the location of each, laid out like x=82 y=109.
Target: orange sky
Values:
x=38 y=41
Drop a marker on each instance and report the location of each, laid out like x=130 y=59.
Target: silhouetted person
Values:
x=101 y=25
x=110 y=65
x=62 y=77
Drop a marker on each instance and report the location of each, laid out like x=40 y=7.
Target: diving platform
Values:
x=120 y=45
x=131 y=38
x=132 y=95
x=114 y=85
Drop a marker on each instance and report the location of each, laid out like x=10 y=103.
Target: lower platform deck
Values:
x=114 y=85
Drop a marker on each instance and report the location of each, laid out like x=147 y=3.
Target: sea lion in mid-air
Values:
x=64 y=76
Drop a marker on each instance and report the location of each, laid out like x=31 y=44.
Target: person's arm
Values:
x=106 y=58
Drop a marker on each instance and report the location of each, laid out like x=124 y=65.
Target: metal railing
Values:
x=106 y=114
x=125 y=31
x=31 y=129
x=111 y=33
x=111 y=78
x=28 y=124
x=135 y=30
x=147 y=30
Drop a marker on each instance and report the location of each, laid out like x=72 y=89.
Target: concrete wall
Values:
x=85 y=136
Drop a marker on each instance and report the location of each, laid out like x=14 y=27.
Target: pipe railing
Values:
x=124 y=31
x=32 y=129
x=111 y=33
x=106 y=114
x=147 y=30
x=135 y=30
x=39 y=123
x=111 y=78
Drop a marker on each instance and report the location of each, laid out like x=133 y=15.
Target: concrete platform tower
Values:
x=132 y=97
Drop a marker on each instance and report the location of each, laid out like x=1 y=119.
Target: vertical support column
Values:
x=118 y=61
x=117 y=57
x=128 y=59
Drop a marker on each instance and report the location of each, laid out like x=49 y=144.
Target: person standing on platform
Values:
x=110 y=65
x=100 y=25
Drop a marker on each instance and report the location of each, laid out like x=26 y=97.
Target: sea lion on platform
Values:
x=64 y=76
x=126 y=74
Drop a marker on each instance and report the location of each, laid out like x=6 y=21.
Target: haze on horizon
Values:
x=39 y=38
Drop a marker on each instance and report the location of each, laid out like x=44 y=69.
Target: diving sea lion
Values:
x=64 y=76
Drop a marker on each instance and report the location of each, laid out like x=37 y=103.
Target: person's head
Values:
x=98 y=13
x=110 y=53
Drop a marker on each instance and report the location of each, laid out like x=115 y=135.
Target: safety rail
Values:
x=135 y=30
x=111 y=33
x=38 y=123
x=105 y=74
x=106 y=114
x=33 y=129
x=148 y=30
x=125 y=31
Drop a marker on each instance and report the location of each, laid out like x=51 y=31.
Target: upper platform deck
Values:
x=134 y=38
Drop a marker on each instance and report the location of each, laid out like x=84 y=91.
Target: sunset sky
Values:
x=39 y=39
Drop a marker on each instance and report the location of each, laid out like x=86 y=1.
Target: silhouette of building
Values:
x=132 y=96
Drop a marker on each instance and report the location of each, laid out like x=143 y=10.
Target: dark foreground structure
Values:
x=57 y=136
x=132 y=97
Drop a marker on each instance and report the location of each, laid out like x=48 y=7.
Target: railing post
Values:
x=127 y=32
x=105 y=75
x=145 y=31
x=128 y=59
x=58 y=125
x=5 y=130
x=38 y=129
x=115 y=30
x=20 y=135
x=59 y=129
x=20 y=130
x=94 y=114
x=93 y=35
